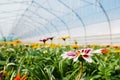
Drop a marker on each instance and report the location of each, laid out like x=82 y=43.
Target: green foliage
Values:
x=47 y=64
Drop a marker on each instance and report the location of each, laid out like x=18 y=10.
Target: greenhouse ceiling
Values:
x=24 y=19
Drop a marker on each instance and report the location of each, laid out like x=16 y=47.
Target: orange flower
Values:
x=18 y=77
x=105 y=51
x=24 y=77
x=116 y=46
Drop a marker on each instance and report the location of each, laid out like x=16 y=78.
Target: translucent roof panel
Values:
x=24 y=19
x=10 y=11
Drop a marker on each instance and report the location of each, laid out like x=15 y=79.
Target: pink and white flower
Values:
x=85 y=53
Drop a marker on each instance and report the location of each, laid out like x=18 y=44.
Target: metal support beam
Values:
x=79 y=18
x=53 y=15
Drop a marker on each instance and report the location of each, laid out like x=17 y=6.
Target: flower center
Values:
x=77 y=54
x=83 y=53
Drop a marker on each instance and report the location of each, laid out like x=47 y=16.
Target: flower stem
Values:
x=81 y=71
x=51 y=43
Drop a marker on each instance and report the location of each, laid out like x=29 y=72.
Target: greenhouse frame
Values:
x=89 y=21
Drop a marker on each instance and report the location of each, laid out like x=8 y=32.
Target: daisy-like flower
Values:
x=50 y=38
x=16 y=42
x=105 y=51
x=102 y=51
x=84 y=53
x=75 y=46
x=44 y=40
x=64 y=38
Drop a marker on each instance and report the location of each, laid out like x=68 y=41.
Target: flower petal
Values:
x=64 y=56
x=71 y=54
x=75 y=59
x=88 y=50
x=97 y=51
x=68 y=55
x=82 y=50
x=87 y=58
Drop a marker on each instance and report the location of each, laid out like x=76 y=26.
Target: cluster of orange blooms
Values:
x=18 y=77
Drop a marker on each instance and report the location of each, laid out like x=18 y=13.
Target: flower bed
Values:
x=38 y=62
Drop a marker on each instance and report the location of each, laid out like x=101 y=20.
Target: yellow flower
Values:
x=75 y=46
x=52 y=46
x=10 y=43
x=36 y=46
x=93 y=46
x=64 y=37
x=58 y=45
x=33 y=44
x=16 y=42
x=117 y=51
x=46 y=45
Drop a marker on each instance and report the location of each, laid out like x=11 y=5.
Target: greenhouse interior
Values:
x=59 y=39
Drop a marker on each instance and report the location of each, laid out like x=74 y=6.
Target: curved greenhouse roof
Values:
x=88 y=21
